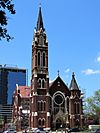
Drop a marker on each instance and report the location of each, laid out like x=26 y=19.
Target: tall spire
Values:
x=40 y=21
x=73 y=84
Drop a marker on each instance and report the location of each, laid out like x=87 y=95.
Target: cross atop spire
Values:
x=40 y=4
x=58 y=73
x=40 y=20
x=73 y=74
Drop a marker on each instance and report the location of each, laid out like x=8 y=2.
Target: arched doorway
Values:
x=77 y=123
x=58 y=123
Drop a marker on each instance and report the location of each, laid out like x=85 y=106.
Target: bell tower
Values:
x=39 y=108
x=75 y=105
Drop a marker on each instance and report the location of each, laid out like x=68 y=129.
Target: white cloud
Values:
x=91 y=71
x=67 y=70
x=98 y=59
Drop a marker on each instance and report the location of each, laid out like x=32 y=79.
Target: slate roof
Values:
x=40 y=21
x=73 y=84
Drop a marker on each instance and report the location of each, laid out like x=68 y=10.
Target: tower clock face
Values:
x=59 y=99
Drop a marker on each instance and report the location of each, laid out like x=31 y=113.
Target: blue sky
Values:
x=73 y=31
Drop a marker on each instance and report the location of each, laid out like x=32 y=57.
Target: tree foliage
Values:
x=6 y=6
x=92 y=106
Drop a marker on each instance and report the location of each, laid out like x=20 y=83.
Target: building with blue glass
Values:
x=9 y=77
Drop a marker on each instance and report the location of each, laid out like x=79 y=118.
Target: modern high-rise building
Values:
x=9 y=77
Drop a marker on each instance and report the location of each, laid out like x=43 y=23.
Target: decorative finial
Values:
x=73 y=74
x=58 y=72
x=40 y=4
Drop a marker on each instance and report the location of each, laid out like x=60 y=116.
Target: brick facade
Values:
x=52 y=105
x=21 y=107
x=56 y=105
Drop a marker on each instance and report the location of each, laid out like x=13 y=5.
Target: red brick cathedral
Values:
x=53 y=105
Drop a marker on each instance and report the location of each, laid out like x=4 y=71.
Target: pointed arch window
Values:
x=41 y=40
x=41 y=105
x=38 y=58
x=43 y=58
x=68 y=104
x=44 y=105
x=39 y=122
x=77 y=109
x=43 y=83
x=39 y=83
x=43 y=122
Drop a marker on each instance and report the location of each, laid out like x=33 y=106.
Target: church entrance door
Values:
x=58 y=123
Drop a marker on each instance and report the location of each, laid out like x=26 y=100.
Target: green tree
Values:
x=92 y=107
x=6 y=7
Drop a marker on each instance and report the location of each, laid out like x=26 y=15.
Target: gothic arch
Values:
x=38 y=58
x=41 y=105
x=41 y=39
x=43 y=122
x=43 y=59
x=59 y=123
x=77 y=123
x=77 y=108
x=41 y=83
x=39 y=122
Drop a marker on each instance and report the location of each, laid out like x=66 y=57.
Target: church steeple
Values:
x=73 y=85
x=40 y=21
x=40 y=112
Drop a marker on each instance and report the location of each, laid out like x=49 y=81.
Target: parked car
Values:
x=29 y=130
x=10 y=131
x=40 y=130
x=97 y=130
x=24 y=131
x=73 y=130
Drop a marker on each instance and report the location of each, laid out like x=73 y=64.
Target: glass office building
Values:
x=9 y=77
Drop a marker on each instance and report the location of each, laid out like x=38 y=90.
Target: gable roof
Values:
x=58 y=85
x=59 y=80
